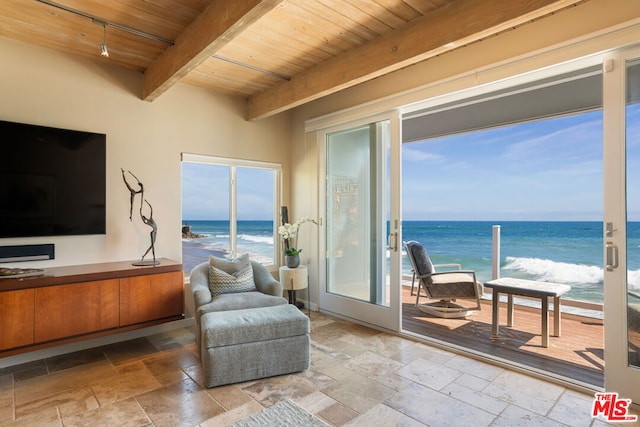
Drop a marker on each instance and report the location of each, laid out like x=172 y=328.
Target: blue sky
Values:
x=542 y=170
x=548 y=170
x=205 y=192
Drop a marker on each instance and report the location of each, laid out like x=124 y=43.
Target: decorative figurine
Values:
x=146 y=220
x=133 y=192
x=154 y=231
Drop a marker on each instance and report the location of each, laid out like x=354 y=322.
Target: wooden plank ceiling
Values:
x=277 y=54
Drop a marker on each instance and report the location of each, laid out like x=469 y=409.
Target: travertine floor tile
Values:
x=475 y=398
x=429 y=374
x=167 y=367
x=382 y=415
x=172 y=339
x=474 y=367
x=329 y=332
x=124 y=413
x=47 y=417
x=129 y=350
x=49 y=385
x=315 y=402
x=394 y=380
x=421 y=351
x=516 y=416
x=196 y=373
x=131 y=381
x=337 y=414
x=338 y=372
x=68 y=403
x=358 y=376
x=341 y=347
x=356 y=329
x=527 y=392
x=572 y=409
x=372 y=364
x=270 y=391
x=72 y=360
x=437 y=409
x=230 y=396
x=6 y=397
x=234 y=415
x=180 y=404
x=472 y=382
x=382 y=344
x=26 y=371
x=358 y=392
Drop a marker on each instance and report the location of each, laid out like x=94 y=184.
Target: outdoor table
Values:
x=528 y=288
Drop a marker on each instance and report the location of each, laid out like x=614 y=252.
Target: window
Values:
x=229 y=207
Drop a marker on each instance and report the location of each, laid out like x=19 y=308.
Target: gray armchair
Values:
x=268 y=293
x=442 y=287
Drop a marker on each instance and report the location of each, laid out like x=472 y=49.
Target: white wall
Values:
x=49 y=88
x=593 y=27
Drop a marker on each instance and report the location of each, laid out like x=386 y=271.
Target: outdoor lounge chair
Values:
x=443 y=286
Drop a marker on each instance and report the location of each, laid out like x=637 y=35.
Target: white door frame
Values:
x=388 y=318
x=619 y=377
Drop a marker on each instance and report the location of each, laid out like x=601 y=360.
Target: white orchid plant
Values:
x=289 y=233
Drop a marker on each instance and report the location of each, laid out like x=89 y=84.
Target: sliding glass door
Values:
x=621 y=230
x=362 y=250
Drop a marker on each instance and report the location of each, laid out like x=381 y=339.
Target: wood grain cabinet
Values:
x=144 y=298
x=79 y=308
x=67 y=304
x=16 y=318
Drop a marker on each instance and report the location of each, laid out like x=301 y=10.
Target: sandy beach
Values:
x=194 y=253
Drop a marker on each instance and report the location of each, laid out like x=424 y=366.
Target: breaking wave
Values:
x=561 y=272
x=256 y=239
x=552 y=271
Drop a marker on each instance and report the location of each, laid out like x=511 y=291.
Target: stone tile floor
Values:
x=359 y=377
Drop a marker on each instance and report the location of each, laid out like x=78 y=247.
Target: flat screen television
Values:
x=52 y=181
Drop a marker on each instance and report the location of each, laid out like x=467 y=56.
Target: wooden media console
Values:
x=66 y=304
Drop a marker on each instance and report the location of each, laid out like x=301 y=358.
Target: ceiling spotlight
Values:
x=103 y=50
x=103 y=46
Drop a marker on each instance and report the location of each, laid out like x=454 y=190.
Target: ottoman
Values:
x=243 y=345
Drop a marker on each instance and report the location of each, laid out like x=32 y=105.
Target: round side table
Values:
x=294 y=279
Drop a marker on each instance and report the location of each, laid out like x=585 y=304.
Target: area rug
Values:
x=285 y=414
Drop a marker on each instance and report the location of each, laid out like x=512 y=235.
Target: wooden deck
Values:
x=578 y=354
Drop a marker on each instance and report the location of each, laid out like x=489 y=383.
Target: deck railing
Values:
x=495 y=270
x=495 y=274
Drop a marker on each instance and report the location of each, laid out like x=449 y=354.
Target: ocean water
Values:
x=563 y=252
x=254 y=238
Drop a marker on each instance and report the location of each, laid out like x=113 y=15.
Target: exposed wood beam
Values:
x=220 y=22
x=444 y=29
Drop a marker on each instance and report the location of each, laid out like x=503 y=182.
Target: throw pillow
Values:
x=222 y=282
x=229 y=265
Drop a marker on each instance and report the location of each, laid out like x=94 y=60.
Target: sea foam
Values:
x=561 y=272
x=256 y=239
x=552 y=271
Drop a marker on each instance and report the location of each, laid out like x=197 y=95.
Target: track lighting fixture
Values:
x=103 y=46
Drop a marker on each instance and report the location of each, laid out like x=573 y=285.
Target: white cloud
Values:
x=415 y=155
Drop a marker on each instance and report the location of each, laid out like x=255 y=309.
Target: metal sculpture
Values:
x=146 y=220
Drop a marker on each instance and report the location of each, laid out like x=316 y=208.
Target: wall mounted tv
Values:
x=52 y=181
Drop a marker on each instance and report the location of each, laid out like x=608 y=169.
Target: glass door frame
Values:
x=385 y=317
x=619 y=376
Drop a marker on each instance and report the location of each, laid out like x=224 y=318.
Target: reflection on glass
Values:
x=227 y=220
x=205 y=213
x=255 y=205
x=357 y=213
x=633 y=207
